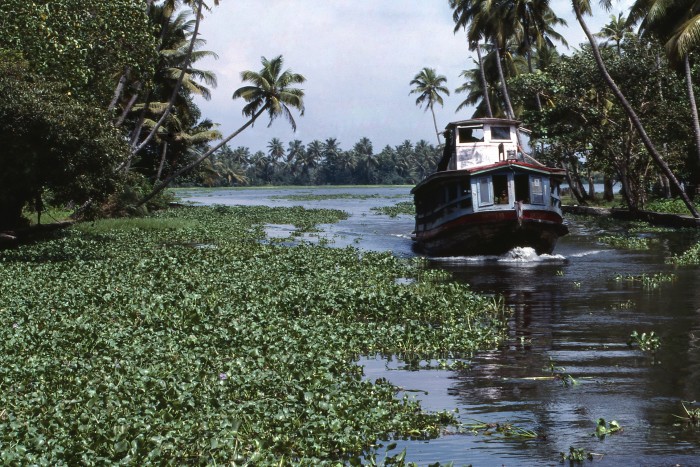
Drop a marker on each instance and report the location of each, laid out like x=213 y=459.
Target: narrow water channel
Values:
x=567 y=362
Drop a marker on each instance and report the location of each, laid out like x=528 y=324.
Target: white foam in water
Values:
x=527 y=255
x=586 y=253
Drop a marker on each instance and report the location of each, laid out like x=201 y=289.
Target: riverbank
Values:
x=653 y=218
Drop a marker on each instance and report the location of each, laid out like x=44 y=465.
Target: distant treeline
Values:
x=317 y=163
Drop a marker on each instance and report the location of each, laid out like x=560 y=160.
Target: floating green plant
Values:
x=690 y=257
x=691 y=416
x=648 y=282
x=576 y=455
x=603 y=429
x=404 y=207
x=626 y=242
x=506 y=429
x=138 y=348
x=647 y=342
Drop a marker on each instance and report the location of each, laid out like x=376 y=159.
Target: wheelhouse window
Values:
x=470 y=134
x=500 y=133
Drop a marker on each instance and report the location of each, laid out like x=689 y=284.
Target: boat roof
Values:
x=482 y=121
x=524 y=166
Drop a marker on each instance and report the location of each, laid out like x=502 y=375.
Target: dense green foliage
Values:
x=50 y=141
x=82 y=43
x=181 y=338
x=583 y=128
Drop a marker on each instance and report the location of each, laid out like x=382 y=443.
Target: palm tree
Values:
x=582 y=7
x=270 y=91
x=615 y=31
x=429 y=86
x=463 y=12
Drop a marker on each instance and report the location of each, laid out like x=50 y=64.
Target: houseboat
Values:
x=487 y=195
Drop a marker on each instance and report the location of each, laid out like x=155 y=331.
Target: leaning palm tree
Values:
x=581 y=8
x=271 y=90
x=429 y=87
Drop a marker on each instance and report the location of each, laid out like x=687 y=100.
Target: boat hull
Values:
x=492 y=233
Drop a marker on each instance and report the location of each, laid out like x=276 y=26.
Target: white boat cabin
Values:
x=474 y=143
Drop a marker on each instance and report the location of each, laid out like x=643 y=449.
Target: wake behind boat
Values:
x=487 y=196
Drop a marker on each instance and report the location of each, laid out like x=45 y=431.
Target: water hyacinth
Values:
x=241 y=353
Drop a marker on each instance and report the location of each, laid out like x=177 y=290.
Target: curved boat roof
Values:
x=481 y=121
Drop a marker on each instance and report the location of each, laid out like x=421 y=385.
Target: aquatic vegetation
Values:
x=626 y=305
x=646 y=342
x=690 y=257
x=131 y=345
x=404 y=207
x=603 y=429
x=648 y=282
x=576 y=455
x=506 y=429
x=691 y=416
x=626 y=242
x=671 y=206
x=325 y=196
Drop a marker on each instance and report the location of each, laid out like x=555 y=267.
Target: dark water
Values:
x=569 y=313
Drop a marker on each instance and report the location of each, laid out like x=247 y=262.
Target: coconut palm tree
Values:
x=271 y=91
x=462 y=14
x=615 y=31
x=429 y=86
x=581 y=8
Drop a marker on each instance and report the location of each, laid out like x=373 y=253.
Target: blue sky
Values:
x=358 y=56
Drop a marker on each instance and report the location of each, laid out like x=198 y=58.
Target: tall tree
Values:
x=677 y=25
x=463 y=11
x=271 y=90
x=581 y=8
x=430 y=86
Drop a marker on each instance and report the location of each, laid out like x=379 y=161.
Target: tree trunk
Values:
x=484 y=83
x=178 y=84
x=591 y=187
x=572 y=186
x=119 y=90
x=437 y=133
x=608 y=194
x=162 y=161
x=696 y=120
x=504 y=86
x=161 y=186
x=129 y=105
x=631 y=113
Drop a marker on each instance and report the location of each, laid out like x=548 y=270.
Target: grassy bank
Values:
x=181 y=338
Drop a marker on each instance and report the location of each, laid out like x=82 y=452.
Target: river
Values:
x=566 y=363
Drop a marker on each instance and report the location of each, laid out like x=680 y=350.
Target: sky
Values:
x=358 y=57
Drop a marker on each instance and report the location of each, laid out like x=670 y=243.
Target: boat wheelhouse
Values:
x=487 y=196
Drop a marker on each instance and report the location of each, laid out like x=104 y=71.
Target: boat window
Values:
x=500 y=189
x=536 y=190
x=501 y=133
x=522 y=188
x=470 y=135
x=485 y=191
